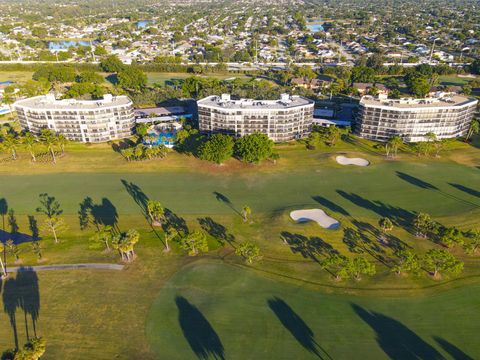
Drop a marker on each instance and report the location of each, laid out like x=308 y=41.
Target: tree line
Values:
x=52 y=144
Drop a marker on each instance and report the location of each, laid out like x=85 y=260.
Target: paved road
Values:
x=66 y=267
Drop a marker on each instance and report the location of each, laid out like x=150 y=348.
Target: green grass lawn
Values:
x=454 y=80
x=103 y=314
x=162 y=78
x=213 y=310
x=16 y=76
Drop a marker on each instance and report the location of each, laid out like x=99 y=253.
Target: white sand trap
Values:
x=316 y=215
x=342 y=160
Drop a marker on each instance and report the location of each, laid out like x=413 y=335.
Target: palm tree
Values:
x=104 y=235
x=155 y=211
x=8 y=100
x=388 y=148
x=30 y=141
x=62 y=141
x=127 y=153
x=246 y=211
x=10 y=143
x=125 y=242
x=150 y=152
x=13 y=249
x=333 y=134
x=394 y=143
x=37 y=249
x=138 y=152
x=170 y=234
x=49 y=139
x=386 y=224
x=431 y=139
x=473 y=129
x=2 y=265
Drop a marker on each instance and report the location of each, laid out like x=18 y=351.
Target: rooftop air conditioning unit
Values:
x=50 y=97
x=285 y=98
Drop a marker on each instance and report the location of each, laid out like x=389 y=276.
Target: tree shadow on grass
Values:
x=299 y=244
x=358 y=242
x=122 y=145
x=33 y=225
x=224 y=199
x=103 y=214
x=175 y=221
x=416 y=181
x=14 y=234
x=112 y=79
x=399 y=216
x=454 y=351
x=17 y=237
x=22 y=293
x=309 y=248
x=296 y=326
x=3 y=211
x=330 y=205
x=216 y=230
x=396 y=340
x=466 y=189
x=425 y=185
x=390 y=240
x=199 y=333
x=140 y=198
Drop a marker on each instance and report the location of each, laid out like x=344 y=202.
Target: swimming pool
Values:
x=164 y=138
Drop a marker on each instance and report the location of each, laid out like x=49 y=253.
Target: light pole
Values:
x=433 y=47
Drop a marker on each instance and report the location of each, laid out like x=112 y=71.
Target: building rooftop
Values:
x=49 y=102
x=285 y=102
x=441 y=100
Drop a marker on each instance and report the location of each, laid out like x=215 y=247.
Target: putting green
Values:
x=213 y=310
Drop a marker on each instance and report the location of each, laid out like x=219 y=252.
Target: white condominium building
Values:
x=447 y=116
x=281 y=120
x=87 y=121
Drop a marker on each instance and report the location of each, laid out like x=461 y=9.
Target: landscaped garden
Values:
x=288 y=302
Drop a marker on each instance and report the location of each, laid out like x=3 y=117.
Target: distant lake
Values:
x=315 y=25
x=60 y=45
x=142 y=24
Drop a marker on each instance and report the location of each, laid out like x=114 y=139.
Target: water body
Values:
x=142 y=24
x=315 y=25
x=61 y=45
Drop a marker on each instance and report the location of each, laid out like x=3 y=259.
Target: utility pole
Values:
x=93 y=53
x=433 y=47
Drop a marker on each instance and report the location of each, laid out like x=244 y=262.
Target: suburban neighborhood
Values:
x=197 y=179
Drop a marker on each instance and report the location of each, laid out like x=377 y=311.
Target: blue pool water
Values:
x=315 y=27
x=65 y=44
x=142 y=24
x=167 y=138
x=8 y=82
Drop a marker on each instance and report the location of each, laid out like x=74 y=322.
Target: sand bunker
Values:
x=316 y=215
x=342 y=160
